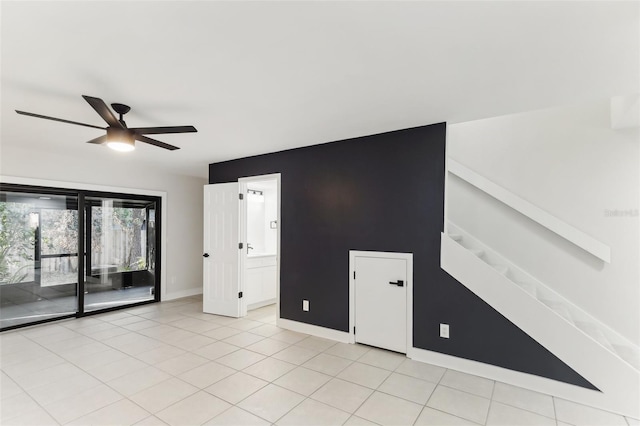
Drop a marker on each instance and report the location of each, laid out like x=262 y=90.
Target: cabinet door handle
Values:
x=399 y=283
x=205 y=255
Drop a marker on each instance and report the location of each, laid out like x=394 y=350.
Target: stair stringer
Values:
x=603 y=334
x=618 y=381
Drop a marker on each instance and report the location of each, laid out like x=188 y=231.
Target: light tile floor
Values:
x=170 y=364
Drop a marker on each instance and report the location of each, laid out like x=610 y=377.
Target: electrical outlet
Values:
x=305 y=305
x=444 y=331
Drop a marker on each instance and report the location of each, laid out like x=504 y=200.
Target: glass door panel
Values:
x=120 y=252
x=38 y=257
x=42 y=231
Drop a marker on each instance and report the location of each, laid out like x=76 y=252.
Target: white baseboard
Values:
x=260 y=304
x=618 y=381
x=314 y=330
x=183 y=293
x=516 y=378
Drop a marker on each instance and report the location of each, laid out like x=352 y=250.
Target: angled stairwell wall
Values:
x=570 y=163
x=565 y=267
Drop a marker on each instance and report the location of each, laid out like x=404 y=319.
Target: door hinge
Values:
x=354 y=275
x=240 y=295
x=241 y=196
x=354 y=330
x=240 y=246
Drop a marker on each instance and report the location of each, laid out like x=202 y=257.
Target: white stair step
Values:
x=477 y=252
x=501 y=269
x=596 y=334
x=528 y=287
x=456 y=237
x=559 y=308
x=629 y=354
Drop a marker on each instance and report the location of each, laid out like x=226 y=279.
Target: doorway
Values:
x=380 y=299
x=241 y=265
x=259 y=263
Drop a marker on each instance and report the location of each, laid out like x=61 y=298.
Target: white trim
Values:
x=617 y=380
x=104 y=188
x=516 y=378
x=314 y=330
x=518 y=275
x=182 y=293
x=504 y=375
x=78 y=185
x=445 y=210
x=261 y=304
x=533 y=212
x=544 y=385
x=242 y=237
x=408 y=257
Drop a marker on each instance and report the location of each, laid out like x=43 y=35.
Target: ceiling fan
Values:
x=119 y=136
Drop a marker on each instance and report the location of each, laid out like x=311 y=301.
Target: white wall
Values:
x=262 y=237
x=569 y=162
x=255 y=224
x=270 y=214
x=182 y=219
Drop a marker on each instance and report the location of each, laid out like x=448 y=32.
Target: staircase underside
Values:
x=579 y=344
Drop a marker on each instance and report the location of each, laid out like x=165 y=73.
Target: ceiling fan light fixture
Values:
x=122 y=140
x=121 y=146
x=119 y=137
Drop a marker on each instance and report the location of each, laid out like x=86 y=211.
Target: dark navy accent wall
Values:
x=382 y=192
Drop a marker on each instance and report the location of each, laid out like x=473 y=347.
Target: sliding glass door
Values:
x=69 y=253
x=38 y=257
x=121 y=251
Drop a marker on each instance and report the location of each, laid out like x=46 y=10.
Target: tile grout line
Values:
x=142 y=390
x=52 y=353
x=87 y=372
x=493 y=390
x=81 y=369
x=191 y=311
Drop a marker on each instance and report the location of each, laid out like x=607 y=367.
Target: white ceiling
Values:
x=257 y=77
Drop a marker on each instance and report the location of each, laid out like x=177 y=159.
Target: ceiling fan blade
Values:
x=99 y=139
x=30 y=114
x=145 y=139
x=103 y=110
x=165 y=129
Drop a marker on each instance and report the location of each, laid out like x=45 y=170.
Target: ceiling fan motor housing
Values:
x=115 y=134
x=119 y=136
x=121 y=108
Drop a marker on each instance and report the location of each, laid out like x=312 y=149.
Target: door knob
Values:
x=399 y=283
x=205 y=255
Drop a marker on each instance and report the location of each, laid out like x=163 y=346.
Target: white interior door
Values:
x=381 y=302
x=221 y=250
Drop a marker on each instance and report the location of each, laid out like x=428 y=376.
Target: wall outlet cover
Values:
x=444 y=331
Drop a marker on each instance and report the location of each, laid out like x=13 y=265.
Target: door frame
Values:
x=408 y=257
x=242 y=229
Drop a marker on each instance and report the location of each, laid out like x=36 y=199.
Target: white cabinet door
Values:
x=221 y=250
x=253 y=281
x=381 y=302
x=269 y=282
